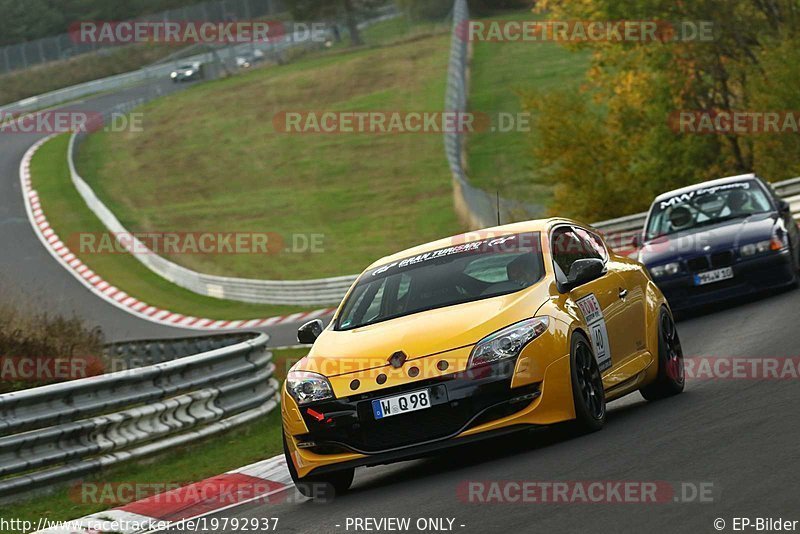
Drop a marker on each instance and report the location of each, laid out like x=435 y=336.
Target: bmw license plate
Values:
x=407 y=402
x=709 y=277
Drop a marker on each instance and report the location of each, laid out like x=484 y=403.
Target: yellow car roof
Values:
x=535 y=225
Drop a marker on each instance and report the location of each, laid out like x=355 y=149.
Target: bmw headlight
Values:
x=189 y=72
x=173 y=75
x=508 y=342
x=306 y=387
x=751 y=249
x=668 y=269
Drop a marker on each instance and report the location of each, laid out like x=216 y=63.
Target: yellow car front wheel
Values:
x=323 y=486
x=587 y=386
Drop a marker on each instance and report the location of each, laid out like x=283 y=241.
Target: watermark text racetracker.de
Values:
x=398 y=122
x=212 y=32
x=68 y=121
x=582 y=31
x=47 y=369
x=183 y=243
x=530 y=492
x=741 y=368
x=734 y=122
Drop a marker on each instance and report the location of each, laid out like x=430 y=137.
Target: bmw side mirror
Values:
x=583 y=271
x=309 y=332
x=784 y=207
x=636 y=241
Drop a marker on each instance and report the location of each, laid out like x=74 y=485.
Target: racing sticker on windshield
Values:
x=596 y=322
x=695 y=193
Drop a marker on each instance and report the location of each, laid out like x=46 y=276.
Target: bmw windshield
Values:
x=706 y=206
x=461 y=273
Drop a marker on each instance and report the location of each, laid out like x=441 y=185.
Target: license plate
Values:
x=407 y=402
x=709 y=277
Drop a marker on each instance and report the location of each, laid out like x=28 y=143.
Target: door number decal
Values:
x=593 y=315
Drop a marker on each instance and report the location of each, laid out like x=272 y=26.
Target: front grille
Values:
x=722 y=259
x=406 y=429
x=455 y=402
x=698 y=264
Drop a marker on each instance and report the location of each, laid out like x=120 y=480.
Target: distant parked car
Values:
x=720 y=240
x=188 y=72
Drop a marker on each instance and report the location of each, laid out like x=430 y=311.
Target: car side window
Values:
x=775 y=197
x=593 y=242
x=570 y=244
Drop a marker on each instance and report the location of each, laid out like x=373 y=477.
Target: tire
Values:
x=587 y=387
x=320 y=487
x=671 y=378
x=795 y=266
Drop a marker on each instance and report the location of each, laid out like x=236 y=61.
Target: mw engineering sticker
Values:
x=688 y=196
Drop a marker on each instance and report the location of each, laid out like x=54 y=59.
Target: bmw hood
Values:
x=726 y=235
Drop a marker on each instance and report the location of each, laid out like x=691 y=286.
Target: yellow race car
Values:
x=471 y=337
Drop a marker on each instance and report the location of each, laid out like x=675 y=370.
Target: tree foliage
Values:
x=348 y=11
x=609 y=148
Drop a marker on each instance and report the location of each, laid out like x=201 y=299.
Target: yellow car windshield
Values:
x=453 y=275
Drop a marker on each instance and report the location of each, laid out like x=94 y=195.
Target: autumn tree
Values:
x=610 y=147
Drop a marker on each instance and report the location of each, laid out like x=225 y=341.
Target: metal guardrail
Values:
x=61 y=431
x=477 y=207
x=316 y=292
x=66 y=45
x=294 y=292
x=619 y=232
x=226 y=54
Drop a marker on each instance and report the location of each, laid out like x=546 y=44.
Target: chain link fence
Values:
x=475 y=207
x=65 y=46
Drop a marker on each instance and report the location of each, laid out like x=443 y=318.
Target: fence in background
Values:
x=478 y=208
x=217 y=62
x=292 y=292
x=62 y=47
x=324 y=291
x=475 y=207
x=66 y=430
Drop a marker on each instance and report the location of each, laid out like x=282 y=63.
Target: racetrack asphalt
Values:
x=736 y=438
x=28 y=269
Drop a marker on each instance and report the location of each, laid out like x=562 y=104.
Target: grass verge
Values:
x=69 y=216
x=247 y=444
x=501 y=74
x=210 y=159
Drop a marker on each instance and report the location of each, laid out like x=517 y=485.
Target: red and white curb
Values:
x=113 y=295
x=267 y=482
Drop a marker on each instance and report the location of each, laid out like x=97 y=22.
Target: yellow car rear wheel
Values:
x=670 y=379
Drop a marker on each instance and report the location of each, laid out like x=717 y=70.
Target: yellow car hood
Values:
x=420 y=334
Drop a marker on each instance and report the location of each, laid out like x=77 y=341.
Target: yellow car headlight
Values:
x=508 y=342
x=306 y=387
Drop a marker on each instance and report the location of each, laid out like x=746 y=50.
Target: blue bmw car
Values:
x=720 y=240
